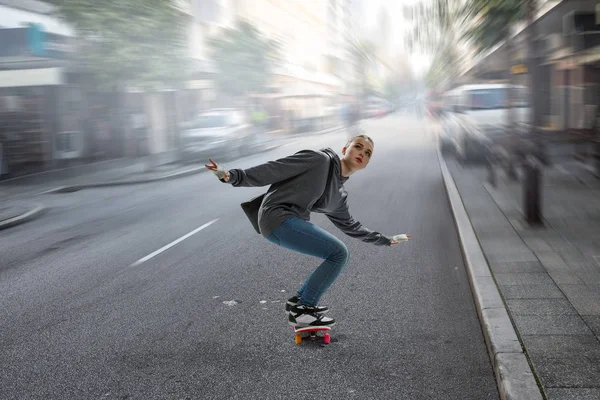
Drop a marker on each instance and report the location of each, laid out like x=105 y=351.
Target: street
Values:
x=116 y=293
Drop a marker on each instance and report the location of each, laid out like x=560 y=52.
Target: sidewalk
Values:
x=548 y=278
x=19 y=198
x=114 y=172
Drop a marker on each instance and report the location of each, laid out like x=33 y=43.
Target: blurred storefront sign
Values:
x=518 y=69
x=33 y=41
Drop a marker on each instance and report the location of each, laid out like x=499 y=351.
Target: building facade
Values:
x=40 y=101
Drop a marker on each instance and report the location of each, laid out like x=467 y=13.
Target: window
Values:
x=484 y=99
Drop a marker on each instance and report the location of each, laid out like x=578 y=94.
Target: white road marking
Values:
x=173 y=243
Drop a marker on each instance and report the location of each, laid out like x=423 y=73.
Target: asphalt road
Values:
x=94 y=306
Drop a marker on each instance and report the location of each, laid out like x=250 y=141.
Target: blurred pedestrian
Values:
x=139 y=127
x=310 y=181
x=259 y=120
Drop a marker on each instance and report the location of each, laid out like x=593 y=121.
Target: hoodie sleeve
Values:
x=275 y=171
x=342 y=219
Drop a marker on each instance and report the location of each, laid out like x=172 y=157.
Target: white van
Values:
x=483 y=112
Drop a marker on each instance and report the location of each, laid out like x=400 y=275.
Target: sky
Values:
x=419 y=61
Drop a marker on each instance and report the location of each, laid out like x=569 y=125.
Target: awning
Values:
x=31 y=77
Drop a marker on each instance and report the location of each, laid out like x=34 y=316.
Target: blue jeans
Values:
x=302 y=236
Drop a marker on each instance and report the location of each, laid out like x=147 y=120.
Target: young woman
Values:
x=300 y=184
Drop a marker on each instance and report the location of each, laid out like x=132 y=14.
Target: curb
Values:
x=514 y=376
x=329 y=130
x=321 y=132
x=21 y=219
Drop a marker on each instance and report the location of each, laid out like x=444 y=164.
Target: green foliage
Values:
x=141 y=42
x=363 y=51
x=433 y=24
x=434 y=30
x=483 y=24
x=443 y=66
x=493 y=21
x=244 y=58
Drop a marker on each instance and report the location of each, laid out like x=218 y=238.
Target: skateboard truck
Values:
x=312 y=331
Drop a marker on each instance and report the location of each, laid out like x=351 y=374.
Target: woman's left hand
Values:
x=396 y=239
x=219 y=171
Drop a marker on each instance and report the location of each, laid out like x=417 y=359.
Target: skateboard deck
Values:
x=312 y=333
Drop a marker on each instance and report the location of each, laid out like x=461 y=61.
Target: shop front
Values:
x=40 y=102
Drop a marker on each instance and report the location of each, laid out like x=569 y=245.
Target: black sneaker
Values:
x=304 y=316
x=294 y=301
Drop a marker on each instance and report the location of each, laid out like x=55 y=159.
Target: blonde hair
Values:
x=360 y=136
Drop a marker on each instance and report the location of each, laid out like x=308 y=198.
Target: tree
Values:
x=488 y=24
x=444 y=67
x=495 y=19
x=141 y=42
x=435 y=30
x=244 y=58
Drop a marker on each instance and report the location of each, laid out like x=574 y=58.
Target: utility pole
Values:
x=532 y=183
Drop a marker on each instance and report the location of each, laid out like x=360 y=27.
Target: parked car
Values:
x=481 y=112
x=220 y=133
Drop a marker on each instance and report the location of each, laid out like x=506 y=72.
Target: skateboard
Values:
x=312 y=333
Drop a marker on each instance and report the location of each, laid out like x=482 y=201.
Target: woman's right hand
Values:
x=219 y=171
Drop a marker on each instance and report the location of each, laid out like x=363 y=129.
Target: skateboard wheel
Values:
x=326 y=338
x=298 y=338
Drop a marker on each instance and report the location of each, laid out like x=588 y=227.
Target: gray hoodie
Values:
x=299 y=186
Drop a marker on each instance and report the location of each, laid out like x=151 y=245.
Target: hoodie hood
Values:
x=337 y=163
